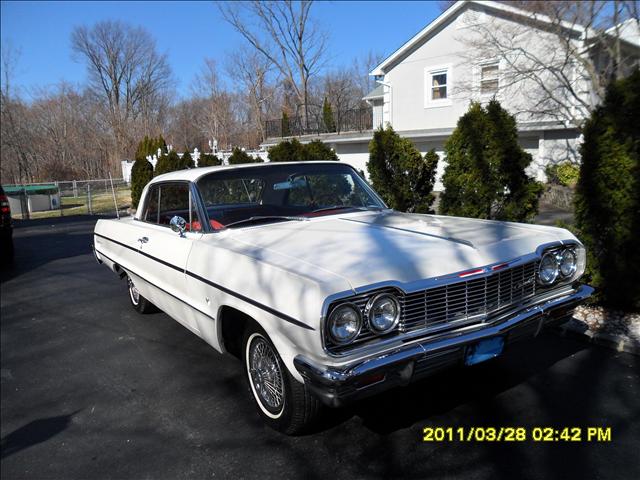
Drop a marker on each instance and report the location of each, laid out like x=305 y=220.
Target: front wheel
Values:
x=138 y=302
x=285 y=404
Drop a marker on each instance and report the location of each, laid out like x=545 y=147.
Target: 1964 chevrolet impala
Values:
x=324 y=293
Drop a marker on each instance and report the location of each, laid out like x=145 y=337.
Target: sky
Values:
x=189 y=32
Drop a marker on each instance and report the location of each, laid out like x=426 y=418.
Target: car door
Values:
x=164 y=253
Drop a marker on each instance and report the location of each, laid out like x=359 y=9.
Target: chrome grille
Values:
x=468 y=300
x=455 y=304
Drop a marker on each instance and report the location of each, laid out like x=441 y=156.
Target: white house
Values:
x=428 y=83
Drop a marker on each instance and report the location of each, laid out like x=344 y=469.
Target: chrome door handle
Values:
x=143 y=239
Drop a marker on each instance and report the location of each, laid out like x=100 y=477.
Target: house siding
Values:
x=428 y=124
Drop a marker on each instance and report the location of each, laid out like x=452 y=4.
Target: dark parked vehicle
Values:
x=6 y=229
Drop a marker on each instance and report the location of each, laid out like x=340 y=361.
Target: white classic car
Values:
x=324 y=293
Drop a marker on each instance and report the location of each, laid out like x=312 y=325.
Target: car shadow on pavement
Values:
x=403 y=407
x=33 y=433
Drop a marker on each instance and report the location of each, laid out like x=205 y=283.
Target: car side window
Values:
x=151 y=205
x=169 y=200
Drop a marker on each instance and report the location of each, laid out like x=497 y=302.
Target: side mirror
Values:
x=178 y=225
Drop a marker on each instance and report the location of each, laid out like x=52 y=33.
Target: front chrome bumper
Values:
x=337 y=386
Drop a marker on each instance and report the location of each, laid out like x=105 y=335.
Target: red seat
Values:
x=196 y=226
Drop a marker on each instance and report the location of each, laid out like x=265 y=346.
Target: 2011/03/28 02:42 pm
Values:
x=516 y=434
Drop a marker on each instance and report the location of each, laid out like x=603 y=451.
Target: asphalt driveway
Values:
x=90 y=389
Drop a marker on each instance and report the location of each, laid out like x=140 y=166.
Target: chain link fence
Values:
x=73 y=197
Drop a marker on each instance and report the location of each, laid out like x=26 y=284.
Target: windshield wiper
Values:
x=344 y=207
x=267 y=217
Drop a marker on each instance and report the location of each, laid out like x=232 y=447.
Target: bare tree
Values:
x=252 y=73
x=15 y=151
x=284 y=33
x=125 y=71
x=362 y=67
x=555 y=57
x=341 y=89
x=214 y=114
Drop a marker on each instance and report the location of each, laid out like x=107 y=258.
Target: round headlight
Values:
x=344 y=323
x=568 y=263
x=383 y=312
x=548 y=269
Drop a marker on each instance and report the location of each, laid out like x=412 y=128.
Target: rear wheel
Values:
x=139 y=303
x=283 y=403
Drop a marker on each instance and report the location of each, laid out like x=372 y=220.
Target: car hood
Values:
x=372 y=247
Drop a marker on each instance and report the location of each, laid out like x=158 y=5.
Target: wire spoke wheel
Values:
x=266 y=376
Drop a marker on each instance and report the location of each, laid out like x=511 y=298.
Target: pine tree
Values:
x=327 y=116
x=294 y=151
x=421 y=182
x=186 y=161
x=286 y=130
x=287 y=151
x=317 y=150
x=239 y=156
x=485 y=174
x=141 y=174
x=399 y=173
x=168 y=163
x=142 y=169
x=607 y=198
x=208 y=160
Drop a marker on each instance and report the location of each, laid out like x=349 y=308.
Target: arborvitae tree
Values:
x=208 y=160
x=316 y=150
x=159 y=143
x=143 y=148
x=186 y=161
x=422 y=180
x=399 y=173
x=150 y=146
x=294 y=151
x=239 y=156
x=142 y=170
x=141 y=174
x=287 y=151
x=485 y=174
x=608 y=195
x=286 y=130
x=327 y=116
x=168 y=163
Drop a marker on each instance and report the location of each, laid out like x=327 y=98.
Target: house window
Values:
x=437 y=86
x=489 y=79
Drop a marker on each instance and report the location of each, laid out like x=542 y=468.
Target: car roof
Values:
x=193 y=174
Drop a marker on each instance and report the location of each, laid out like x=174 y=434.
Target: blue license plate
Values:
x=484 y=350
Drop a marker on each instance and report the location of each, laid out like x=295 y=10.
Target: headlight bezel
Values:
x=331 y=320
x=552 y=257
x=561 y=257
x=557 y=254
x=370 y=306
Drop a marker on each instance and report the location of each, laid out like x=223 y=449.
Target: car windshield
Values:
x=272 y=193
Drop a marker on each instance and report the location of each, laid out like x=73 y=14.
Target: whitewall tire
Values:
x=138 y=302
x=283 y=403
